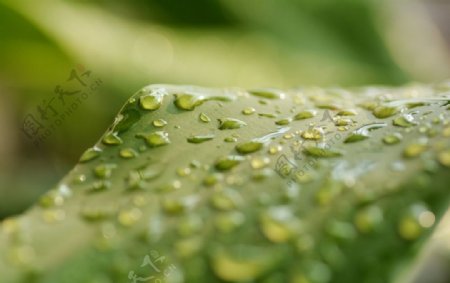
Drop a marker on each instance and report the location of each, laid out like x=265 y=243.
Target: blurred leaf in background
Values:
x=129 y=44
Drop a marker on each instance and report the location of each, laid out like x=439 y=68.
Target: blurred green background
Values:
x=123 y=45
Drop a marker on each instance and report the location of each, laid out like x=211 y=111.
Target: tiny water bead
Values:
x=249 y=147
x=231 y=123
x=200 y=138
x=267 y=115
x=227 y=222
x=259 y=162
x=128 y=153
x=156 y=139
x=90 y=154
x=112 y=139
x=306 y=114
x=392 y=138
x=248 y=111
x=204 y=118
x=356 y=137
x=159 y=123
x=226 y=200
x=152 y=101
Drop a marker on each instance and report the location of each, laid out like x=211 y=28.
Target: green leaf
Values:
x=261 y=206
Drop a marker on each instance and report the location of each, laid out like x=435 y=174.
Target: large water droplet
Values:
x=306 y=114
x=188 y=101
x=152 y=101
x=128 y=153
x=112 y=139
x=90 y=154
x=405 y=121
x=200 y=138
x=248 y=111
x=159 y=123
x=249 y=147
x=392 y=138
x=268 y=93
x=321 y=152
x=384 y=111
x=231 y=123
x=228 y=162
x=204 y=118
x=156 y=139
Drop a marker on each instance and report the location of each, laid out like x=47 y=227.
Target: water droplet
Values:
x=51 y=199
x=321 y=152
x=348 y=112
x=104 y=171
x=90 y=154
x=444 y=157
x=204 y=118
x=405 y=121
x=249 y=147
x=267 y=115
x=226 y=200
x=128 y=153
x=392 y=138
x=189 y=225
x=340 y=122
x=128 y=217
x=382 y=112
x=368 y=219
x=174 y=206
x=200 y=138
x=155 y=139
x=99 y=186
x=112 y=139
x=268 y=93
x=152 y=101
x=259 y=162
x=227 y=222
x=183 y=172
x=279 y=225
x=315 y=133
x=274 y=149
x=414 y=150
x=409 y=228
x=212 y=179
x=363 y=132
x=248 y=111
x=53 y=215
x=228 y=162
x=306 y=114
x=95 y=214
x=231 y=123
x=354 y=137
x=188 y=101
x=283 y=122
x=159 y=123
x=230 y=139
x=243 y=263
